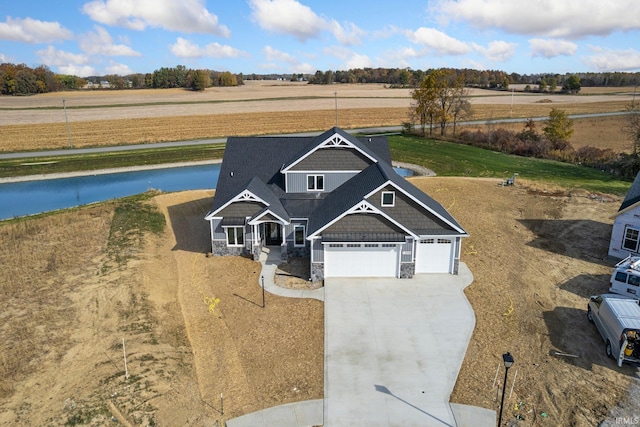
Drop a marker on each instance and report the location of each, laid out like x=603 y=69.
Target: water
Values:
x=32 y=197
x=403 y=172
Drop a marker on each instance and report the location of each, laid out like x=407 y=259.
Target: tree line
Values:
x=23 y=80
x=490 y=79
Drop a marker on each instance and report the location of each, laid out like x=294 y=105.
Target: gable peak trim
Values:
x=248 y=196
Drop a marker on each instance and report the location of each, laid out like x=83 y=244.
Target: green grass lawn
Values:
x=450 y=159
x=444 y=158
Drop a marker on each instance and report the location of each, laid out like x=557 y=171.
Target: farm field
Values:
x=148 y=116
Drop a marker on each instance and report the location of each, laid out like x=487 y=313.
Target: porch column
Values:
x=256 y=234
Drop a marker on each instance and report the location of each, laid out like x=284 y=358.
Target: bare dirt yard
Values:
x=66 y=305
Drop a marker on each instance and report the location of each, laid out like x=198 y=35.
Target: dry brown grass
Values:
x=151 y=130
x=40 y=258
x=603 y=132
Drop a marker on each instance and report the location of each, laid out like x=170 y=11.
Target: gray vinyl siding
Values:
x=363 y=223
x=408 y=212
x=218 y=231
x=297 y=181
x=333 y=159
x=317 y=251
x=289 y=229
x=407 y=251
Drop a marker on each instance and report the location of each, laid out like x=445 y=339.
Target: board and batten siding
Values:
x=297 y=181
x=317 y=251
x=620 y=224
x=217 y=230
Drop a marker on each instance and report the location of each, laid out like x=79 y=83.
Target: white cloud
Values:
x=347 y=35
x=438 y=42
x=77 y=70
x=287 y=17
x=293 y=18
x=100 y=42
x=188 y=16
x=567 y=18
x=550 y=48
x=613 y=60
x=4 y=58
x=276 y=55
x=497 y=51
x=183 y=48
x=118 y=69
x=351 y=59
x=30 y=30
x=54 y=57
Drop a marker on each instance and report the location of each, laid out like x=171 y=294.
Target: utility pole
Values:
x=64 y=107
x=335 y=94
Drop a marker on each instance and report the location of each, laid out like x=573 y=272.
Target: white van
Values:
x=625 y=279
x=618 y=320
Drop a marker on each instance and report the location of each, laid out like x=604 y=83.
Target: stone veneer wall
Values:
x=298 y=251
x=317 y=272
x=407 y=270
x=456 y=266
x=220 y=248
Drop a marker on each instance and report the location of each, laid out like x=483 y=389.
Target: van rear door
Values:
x=623 y=347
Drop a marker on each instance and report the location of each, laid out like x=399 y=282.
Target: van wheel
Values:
x=589 y=314
x=609 y=350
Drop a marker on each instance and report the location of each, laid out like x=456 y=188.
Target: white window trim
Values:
x=393 y=202
x=315 y=182
x=624 y=238
x=304 y=235
x=235 y=236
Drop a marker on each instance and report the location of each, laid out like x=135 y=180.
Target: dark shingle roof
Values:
x=633 y=195
x=354 y=191
x=263 y=157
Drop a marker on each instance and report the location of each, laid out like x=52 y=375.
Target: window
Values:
x=634 y=280
x=315 y=182
x=630 y=241
x=621 y=277
x=298 y=235
x=388 y=198
x=235 y=236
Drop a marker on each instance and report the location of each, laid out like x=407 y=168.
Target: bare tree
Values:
x=632 y=126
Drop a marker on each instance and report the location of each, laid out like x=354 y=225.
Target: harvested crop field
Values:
x=148 y=116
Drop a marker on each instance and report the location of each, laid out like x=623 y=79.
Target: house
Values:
x=626 y=225
x=333 y=198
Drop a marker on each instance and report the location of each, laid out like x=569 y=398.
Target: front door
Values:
x=273 y=234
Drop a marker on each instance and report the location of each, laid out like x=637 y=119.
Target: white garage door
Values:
x=360 y=260
x=434 y=255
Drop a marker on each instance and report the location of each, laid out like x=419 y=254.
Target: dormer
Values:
x=329 y=161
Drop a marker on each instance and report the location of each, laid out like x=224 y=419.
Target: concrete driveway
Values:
x=393 y=350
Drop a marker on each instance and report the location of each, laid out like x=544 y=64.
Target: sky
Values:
x=99 y=37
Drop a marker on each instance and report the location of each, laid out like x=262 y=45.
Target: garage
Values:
x=434 y=255
x=361 y=260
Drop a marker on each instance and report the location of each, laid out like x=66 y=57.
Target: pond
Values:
x=32 y=197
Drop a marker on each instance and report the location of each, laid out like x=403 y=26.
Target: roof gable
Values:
x=334 y=138
x=353 y=192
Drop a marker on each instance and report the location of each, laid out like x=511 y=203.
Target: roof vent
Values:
x=231 y=173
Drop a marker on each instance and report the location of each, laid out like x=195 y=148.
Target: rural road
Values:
x=371 y=130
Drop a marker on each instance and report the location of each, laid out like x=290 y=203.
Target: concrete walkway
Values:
x=393 y=350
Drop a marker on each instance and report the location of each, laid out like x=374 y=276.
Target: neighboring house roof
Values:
x=633 y=195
